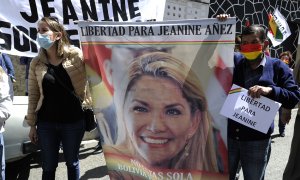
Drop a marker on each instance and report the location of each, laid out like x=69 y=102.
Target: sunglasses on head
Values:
x=53 y=18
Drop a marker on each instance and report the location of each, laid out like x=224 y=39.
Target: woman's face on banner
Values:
x=158 y=119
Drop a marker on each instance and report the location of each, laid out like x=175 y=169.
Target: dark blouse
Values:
x=59 y=104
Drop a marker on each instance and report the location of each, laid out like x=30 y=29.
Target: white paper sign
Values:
x=257 y=113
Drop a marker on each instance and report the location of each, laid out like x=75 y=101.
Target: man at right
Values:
x=262 y=76
x=292 y=169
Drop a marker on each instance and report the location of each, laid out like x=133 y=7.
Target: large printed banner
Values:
x=157 y=89
x=18 y=18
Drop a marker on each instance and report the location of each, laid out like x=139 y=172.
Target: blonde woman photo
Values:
x=166 y=118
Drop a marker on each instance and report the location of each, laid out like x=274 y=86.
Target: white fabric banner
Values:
x=258 y=113
x=281 y=30
x=18 y=18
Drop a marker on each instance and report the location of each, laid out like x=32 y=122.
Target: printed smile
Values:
x=155 y=141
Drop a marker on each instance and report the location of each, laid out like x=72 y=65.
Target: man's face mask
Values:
x=251 y=51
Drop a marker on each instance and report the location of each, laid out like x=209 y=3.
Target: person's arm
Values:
x=5 y=108
x=286 y=115
x=296 y=72
x=5 y=99
x=284 y=91
x=9 y=66
x=288 y=93
x=33 y=96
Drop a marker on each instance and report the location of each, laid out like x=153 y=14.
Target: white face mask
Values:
x=44 y=41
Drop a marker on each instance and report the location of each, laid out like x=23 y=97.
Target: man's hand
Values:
x=256 y=91
x=285 y=115
x=223 y=17
x=13 y=80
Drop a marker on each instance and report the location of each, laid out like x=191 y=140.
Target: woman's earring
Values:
x=187 y=148
x=188 y=137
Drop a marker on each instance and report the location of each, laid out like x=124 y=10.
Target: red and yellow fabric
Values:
x=251 y=51
x=273 y=28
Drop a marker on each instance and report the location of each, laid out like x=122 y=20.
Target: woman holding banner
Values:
x=54 y=112
x=166 y=119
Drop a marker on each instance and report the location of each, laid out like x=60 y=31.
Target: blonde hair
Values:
x=55 y=26
x=199 y=152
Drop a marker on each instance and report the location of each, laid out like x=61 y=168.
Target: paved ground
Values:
x=92 y=165
x=280 y=150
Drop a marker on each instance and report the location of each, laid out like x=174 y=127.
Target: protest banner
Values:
x=278 y=28
x=258 y=113
x=18 y=18
x=157 y=88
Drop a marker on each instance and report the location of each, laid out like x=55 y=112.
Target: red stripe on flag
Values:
x=95 y=56
x=223 y=75
x=270 y=18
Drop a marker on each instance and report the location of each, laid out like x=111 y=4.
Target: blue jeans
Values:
x=253 y=155
x=2 y=156
x=50 y=135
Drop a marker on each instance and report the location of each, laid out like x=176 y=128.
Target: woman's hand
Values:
x=33 y=135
